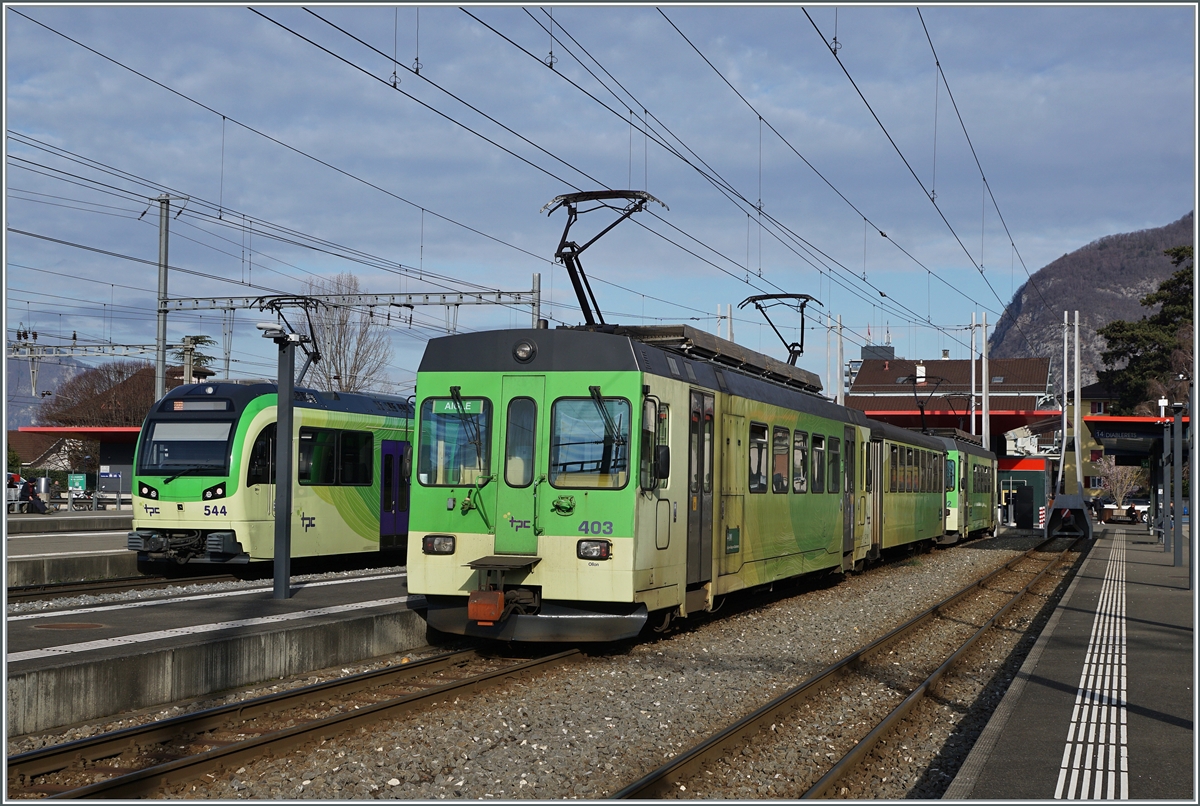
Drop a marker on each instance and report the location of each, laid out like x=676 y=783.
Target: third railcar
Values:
x=572 y=485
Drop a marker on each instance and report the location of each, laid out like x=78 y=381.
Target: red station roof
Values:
x=115 y=434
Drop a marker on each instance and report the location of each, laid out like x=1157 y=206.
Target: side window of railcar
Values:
x=910 y=465
x=926 y=459
x=318 y=456
x=835 y=464
x=589 y=446
x=356 y=449
x=818 y=463
x=758 y=458
x=800 y=463
x=780 y=438
x=949 y=475
x=893 y=468
x=262 y=458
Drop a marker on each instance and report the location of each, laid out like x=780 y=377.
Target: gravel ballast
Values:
x=590 y=728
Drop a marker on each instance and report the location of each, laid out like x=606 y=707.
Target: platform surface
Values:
x=1103 y=708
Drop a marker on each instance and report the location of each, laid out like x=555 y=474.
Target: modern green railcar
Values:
x=970 y=489
x=204 y=474
x=575 y=484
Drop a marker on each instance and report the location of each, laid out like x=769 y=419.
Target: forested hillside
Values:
x=1104 y=280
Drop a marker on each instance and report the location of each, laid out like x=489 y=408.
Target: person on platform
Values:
x=30 y=497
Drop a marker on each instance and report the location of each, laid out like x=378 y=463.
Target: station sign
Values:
x=77 y=481
x=110 y=475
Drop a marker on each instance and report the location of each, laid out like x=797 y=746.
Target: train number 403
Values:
x=596 y=527
x=210 y=510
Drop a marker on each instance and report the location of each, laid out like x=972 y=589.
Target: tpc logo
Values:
x=308 y=522
x=517 y=525
x=149 y=509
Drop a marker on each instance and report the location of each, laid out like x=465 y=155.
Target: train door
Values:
x=260 y=495
x=877 y=486
x=521 y=472
x=849 y=490
x=395 y=465
x=733 y=490
x=700 y=481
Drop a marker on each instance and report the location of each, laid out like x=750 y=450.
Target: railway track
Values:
x=57 y=590
x=881 y=682
x=144 y=760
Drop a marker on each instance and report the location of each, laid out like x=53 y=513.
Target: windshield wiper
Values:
x=469 y=423
x=612 y=433
x=185 y=472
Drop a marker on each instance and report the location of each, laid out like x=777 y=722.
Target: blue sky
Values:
x=1081 y=117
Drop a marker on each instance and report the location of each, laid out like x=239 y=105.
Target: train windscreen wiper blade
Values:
x=612 y=432
x=469 y=423
x=185 y=472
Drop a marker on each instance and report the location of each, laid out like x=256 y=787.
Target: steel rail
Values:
x=657 y=782
x=868 y=742
x=53 y=590
x=150 y=779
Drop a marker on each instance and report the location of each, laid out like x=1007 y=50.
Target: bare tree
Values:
x=1119 y=480
x=354 y=346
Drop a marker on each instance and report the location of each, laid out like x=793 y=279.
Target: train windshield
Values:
x=455 y=441
x=589 y=444
x=197 y=448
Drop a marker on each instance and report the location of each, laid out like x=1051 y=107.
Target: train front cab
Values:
x=204 y=484
x=525 y=490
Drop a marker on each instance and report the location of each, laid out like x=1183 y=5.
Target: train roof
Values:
x=242 y=393
x=673 y=351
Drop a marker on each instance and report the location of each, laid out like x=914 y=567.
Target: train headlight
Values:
x=146 y=491
x=593 y=550
x=524 y=351
x=437 y=544
x=217 y=491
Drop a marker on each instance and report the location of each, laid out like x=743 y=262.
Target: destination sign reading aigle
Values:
x=469 y=406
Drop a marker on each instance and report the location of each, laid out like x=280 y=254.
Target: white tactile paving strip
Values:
x=1095 y=762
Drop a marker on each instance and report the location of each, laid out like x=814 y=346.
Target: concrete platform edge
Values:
x=77 y=568
x=75 y=522
x=968 y=774
x=46 y=698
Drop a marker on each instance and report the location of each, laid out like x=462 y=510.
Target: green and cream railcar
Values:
x=970 y=489
x=573 y=485
x=204 y=474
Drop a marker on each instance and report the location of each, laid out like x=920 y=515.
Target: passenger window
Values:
x=318 y=456
x=894 y=467
x=950 y=465
x=800 y=463
x=662 y=436
x=909 y=470
x=835 y=464
x=357 y=457
x=779 y=459
x=758 y=458
x=818 y=463
x=519 y=441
